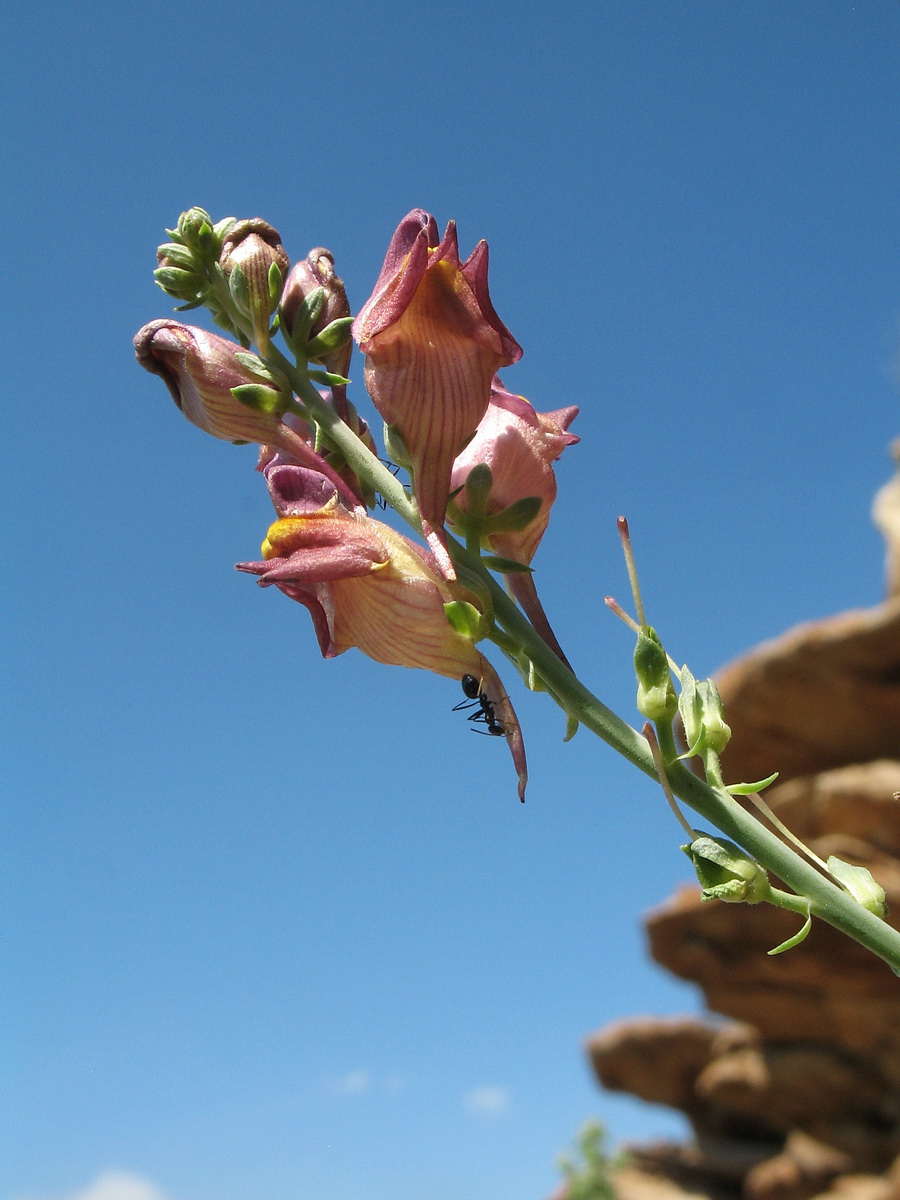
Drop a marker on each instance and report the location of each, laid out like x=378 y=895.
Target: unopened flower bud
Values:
x=202 y=372
x=716 y=732
x=194 y=229
x=725 y=872
x=860 y=884
x=250 y=250
x=656 y=698
x=179 y=274
x=702 y=714
x=197 y=233
x=303 y=322
x=186 y=261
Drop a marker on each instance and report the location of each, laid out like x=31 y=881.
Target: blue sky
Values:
x=273 y=926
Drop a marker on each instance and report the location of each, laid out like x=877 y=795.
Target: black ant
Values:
x=395 y=471
x=476 y=698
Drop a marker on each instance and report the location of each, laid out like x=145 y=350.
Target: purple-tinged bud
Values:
x=210 y=380
x=299 y=303
x=519 y=446
x=201 y=370
x=250 y=251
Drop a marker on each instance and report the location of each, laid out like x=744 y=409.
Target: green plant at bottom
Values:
x=588 y=1175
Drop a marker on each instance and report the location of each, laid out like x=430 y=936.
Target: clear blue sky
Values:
x=274 y=927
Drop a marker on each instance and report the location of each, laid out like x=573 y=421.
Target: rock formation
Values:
x=797 y=1094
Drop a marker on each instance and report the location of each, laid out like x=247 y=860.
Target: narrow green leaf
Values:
x=504 y=566
x=239 y=288
x=333 y=337
x=255 y=365
x=795 y=940
x=749 y=789
x=263 y=399
x=327 y=378
x=514 y=517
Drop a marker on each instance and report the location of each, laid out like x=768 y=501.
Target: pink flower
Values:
x=520 y=446
x=432 y=342
x=201 y=370
x=366 y=585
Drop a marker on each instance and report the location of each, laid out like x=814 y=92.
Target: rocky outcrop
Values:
x=797 y=1094
x=821 y=696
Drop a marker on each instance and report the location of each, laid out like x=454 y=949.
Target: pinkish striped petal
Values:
x=432 y=341
x=200 y=369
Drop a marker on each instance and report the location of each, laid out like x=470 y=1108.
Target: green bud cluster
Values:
x=186 y=263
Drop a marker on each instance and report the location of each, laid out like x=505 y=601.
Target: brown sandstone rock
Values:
x=858 y=801
x=820 y=696
x=803 y=1169
x=656 y=1060
x=827 y=989
x=633 y=1183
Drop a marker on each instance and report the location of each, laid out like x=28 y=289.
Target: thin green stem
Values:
x=712 y=768
x=759 y=803
x=826 y=900
x=358 y=456
x=797 y=904
x=660 y=763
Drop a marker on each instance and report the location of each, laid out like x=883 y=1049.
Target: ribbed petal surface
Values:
x=200 y=369
x=520 y=446
x=432 y=341
x=434 y=389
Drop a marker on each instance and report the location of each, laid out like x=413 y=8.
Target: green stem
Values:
x=712 y=769
x=357 y=455
x=826 y=900
x=797 y=904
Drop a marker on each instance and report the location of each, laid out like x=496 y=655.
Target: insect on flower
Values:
x=476 y=698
